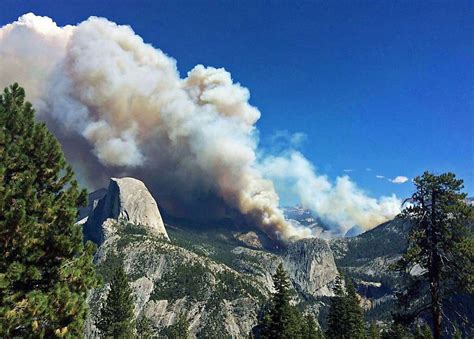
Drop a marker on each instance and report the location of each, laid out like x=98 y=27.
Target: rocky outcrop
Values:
x=127 y=200
x=217 y=281
x=311 y=265
x=250 y=239
x=169 y=281
x=309 y=262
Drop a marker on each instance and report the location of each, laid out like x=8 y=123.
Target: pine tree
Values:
x=456 y=332
x=440 y=245
x=396 y=331
x=355 y=316
x=46 y=269
x=282 y=320
x=280 y=314
x=116 y=315
x=337 y=316
x=311 y=330
x=423 y=332
x=262 y=330
x=345 y=318
x=179 y=330
x=279 y=321
x=374 y=331
x=144 y=328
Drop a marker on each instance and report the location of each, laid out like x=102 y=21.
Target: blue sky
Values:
x=384 y=85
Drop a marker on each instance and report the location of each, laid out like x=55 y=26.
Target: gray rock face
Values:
x=311 y=265
x=309 y=262
x=199 y=287
x=250 y=239
x=217 y=282
x=127 y=199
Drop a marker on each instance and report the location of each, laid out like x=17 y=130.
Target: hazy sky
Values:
x=376 y=88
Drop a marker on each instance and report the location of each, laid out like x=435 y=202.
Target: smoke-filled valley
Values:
x=119 y=107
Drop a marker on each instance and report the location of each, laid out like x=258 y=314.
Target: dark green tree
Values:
x=345 y=318
x=337 y=316
x=262 y=330
x=423 y=332
x=179 y=330
x=281 y=319
x=311 y=329
x=144 y=328
x=396 y=331
x=279 y=322
x=46 y=269
x=116 y=315
x=355 y=314
x=374 y=331
x=438 y=262
x=456 y=332
x=280 y=313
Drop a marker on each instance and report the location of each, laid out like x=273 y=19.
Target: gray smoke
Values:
x=119 y=107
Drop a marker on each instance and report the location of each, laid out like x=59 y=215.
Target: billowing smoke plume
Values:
x=119 y=107
x=342 y=205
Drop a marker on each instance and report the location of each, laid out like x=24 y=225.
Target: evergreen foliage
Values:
x=337 y=317
x=456 y=332
x=283 y=320
x=144 y=328
x=396 y=331
x=345 y=318
x=179 y=330
x=185 y=280
x=374 y=331
x=355 y=315
x=46 y=269
x=281 y=313
x=441 y=249
x=423 y=332
x=116 y=315
x=311 y=329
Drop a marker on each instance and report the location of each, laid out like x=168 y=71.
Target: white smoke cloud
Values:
x=283 y=139
x=119 y=107
x=341 y=204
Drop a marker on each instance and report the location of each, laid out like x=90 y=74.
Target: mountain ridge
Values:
x=219 y=278
x=210 y=277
